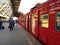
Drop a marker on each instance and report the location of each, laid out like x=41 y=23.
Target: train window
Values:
x=44 y=20
x=58 y=21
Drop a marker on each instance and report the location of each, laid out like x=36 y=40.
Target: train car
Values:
x=49 y=26
x=22 y=21
x=48 y=30
x=44 y=22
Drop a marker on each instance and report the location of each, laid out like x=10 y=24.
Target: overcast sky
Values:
x=26 y=5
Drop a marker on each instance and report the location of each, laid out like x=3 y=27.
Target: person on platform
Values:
x=1 y=22
x=11 y=24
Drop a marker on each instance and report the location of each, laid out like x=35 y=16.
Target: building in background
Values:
x=5 y=9
x=15 y=6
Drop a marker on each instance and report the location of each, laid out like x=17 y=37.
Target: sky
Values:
x=26 y=5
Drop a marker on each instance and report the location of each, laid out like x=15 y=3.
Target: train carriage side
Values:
x=54 y=31
x=49 y=32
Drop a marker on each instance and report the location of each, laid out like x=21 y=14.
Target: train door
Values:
x=33 y=24
x=44 y=25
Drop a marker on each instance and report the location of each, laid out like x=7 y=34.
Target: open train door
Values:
x=33 y=24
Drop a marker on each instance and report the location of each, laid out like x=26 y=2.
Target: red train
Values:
x=22 y=21
x=43 y=22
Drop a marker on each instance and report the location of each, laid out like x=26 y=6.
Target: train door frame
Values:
x=33 y=24
x=38 y=22
x=29 y=22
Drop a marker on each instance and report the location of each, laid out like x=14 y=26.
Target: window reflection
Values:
x=44 y=20
x=58 y=20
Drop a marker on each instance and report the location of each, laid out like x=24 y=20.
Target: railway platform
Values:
x=16 y=37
